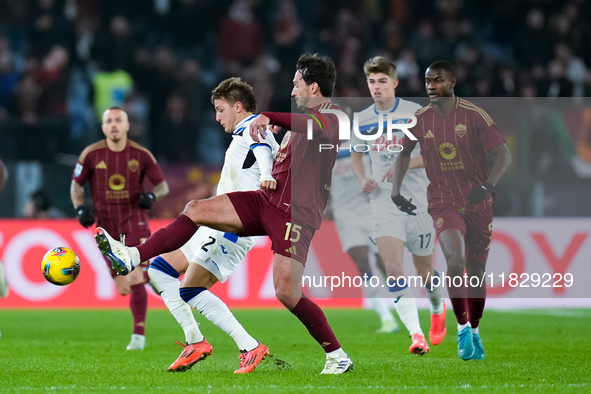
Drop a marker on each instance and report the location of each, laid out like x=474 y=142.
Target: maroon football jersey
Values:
x=116 y=178
x=302 y=171
x=454 y=150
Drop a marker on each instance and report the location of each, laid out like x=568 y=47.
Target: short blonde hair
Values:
x=379 y=64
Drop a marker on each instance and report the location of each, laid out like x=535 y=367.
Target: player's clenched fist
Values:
x=404 y=205
x=479 y=193
x=84 y=216
x=270 y=185
x=368 y=185
x=146 y=200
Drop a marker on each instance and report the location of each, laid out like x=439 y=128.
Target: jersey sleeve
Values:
x=153 y=170
x=82 y=170
x=489 y=133
x=298 y=123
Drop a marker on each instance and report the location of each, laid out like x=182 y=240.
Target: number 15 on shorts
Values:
x=292 y=233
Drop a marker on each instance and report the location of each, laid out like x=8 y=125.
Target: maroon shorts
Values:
x=475 y=226
x=259 y=217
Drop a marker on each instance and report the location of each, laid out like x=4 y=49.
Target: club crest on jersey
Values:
x=133 y=165
x=439 y=222
x=461 y=130
x=117 y=182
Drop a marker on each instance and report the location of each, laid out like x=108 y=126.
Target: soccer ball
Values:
x=60 y=266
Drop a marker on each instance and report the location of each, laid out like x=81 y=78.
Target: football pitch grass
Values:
x=84 y=351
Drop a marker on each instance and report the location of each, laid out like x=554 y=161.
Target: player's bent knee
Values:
x=191 y=208
x=286 y=297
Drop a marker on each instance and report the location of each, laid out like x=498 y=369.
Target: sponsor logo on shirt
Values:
x=429 y=134
x=101 y=165
x=117 y=182
x=447 y=150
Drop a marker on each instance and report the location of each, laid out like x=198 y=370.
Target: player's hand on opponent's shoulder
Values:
x=258 y=128
x=389 y=176
x=84 y=216
x=368 y=185
x=404 y=205
x=274 y=129
x=270 y=184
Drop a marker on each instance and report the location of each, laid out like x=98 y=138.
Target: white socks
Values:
x=169 y=291
x=337 y=353
x=406 y=306
x=434 y=296
x=433 y=290
x=219 y=314
x=205 y=302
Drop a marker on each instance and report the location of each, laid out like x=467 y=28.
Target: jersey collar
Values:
x=375 y=109
x=240 y=126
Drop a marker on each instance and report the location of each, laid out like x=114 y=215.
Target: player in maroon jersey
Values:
x=116 y=168
x=455 y=137
x=290 y=220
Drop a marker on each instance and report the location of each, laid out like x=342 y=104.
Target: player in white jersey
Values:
x=394 y=229
x=349 y=207
x=247 y=166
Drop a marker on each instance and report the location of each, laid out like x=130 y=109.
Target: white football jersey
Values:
x=220 y=252
x=383 y=153
x=241 y=171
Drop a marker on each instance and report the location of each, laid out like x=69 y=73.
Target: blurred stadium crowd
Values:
x=62 y=62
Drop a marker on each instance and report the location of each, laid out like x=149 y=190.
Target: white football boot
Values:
x=138 y=342
x=116 y=252
x=337 y=365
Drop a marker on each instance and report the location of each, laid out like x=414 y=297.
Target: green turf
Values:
x=82 y=351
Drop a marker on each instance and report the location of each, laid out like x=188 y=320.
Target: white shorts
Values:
x=416 y=231
x=350 y=208
x=216 y=251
